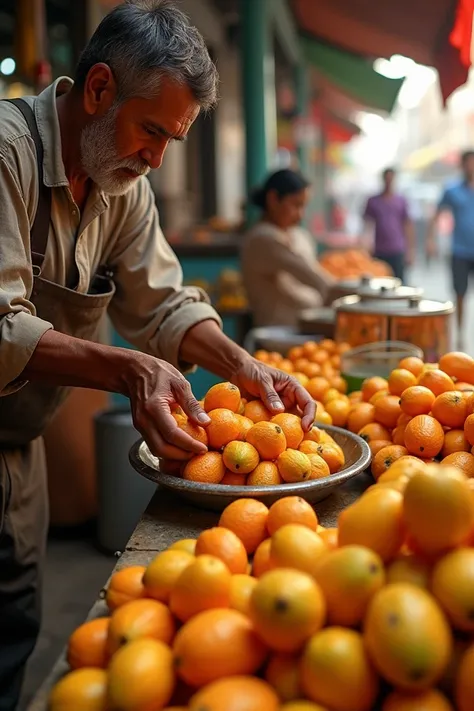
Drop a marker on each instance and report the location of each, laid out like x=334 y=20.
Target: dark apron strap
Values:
x=40 y=229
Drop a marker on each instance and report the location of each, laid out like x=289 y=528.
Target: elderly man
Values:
x=81 y=235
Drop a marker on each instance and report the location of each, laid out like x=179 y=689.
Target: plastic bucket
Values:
x=374 y=359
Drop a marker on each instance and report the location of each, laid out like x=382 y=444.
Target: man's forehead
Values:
x=173 y=109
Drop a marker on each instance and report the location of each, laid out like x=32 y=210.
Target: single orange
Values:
x=458 y=365
x=360 y=415
x=163 y=572
x=455 y=441
x=245 y=423
x=339 y=409
x=265 y=474
x=333 y=455
x=373 y=431
x=312 y=370
x=87 y=644
x=375 y=521
x=80 y=689
x=222 y=395
x=140 y=619
x=125 y=585
x=431 y=700
x=236 y=693
x=291 y=509
x=203 y=585
x=247 y=518
x=261 y=355
x=398 y=435
x=207 y=467
x=437 y=381
x=240 y=457
x=256 y=411
x=223 y=428
x=450 y=409
x=417 y=400
x=216 y=644
x=318 y=387
x=294 y=466
x=286 y=608
x=262 y=562
x=225 y=545
x=424 y=436
x=376 y=396
x=370 y=386
x=385 y=458
x=404 y=419
x=376 y=445
x=314 y=434
x=231 y=479
x=387 y=410
x=308 y=447
x=296 y=546
x=292 y=429
x=399 y=380
x=413 y=364
x=337 y=381
x=295 y=352
x=462 y=460
x=319 y=467
x=268 y=438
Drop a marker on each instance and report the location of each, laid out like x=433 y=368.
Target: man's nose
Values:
x=154 y=158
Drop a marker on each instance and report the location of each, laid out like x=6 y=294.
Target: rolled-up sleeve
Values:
x=20 y=328
x=151 y=308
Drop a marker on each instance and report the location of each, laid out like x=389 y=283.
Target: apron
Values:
x=24 y=415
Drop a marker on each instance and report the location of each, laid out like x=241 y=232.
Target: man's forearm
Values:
x=63 y=360
x=205 y=345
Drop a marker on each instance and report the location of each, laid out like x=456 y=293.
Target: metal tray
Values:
x=217 y=496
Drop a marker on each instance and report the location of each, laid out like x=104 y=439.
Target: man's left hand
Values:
x=278 y=390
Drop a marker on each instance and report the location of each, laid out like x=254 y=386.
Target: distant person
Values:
x=458 y=198
x=279 y=266
x=394 y=234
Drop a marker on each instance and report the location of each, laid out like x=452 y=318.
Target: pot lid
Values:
x=410 y=307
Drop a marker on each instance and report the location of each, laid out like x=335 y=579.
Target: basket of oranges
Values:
x=252 y=453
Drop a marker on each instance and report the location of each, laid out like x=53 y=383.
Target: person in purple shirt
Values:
x=394 y=233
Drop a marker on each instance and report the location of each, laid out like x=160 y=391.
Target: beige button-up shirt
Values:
x=281 y=274
x=151 y=309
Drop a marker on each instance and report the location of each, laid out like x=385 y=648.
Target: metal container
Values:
x=385 y=288
x=217 y=496
x=421 y=322
x=378 y=358
x=123 y=496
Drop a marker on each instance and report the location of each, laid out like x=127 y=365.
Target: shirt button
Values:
x=74 y=213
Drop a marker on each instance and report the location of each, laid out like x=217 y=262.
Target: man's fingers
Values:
x=159 y=448
x=270 y=397
x=307 y=406
x=190 y=405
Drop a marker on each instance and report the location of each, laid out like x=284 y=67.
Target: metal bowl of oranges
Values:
x=216 y=496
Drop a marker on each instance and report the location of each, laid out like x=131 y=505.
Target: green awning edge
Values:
x=352 y=74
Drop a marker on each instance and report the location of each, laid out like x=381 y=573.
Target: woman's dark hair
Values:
x=283 y=182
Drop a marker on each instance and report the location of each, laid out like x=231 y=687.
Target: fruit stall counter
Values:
x=168 y=519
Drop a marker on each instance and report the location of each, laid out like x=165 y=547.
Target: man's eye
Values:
x=150 y=131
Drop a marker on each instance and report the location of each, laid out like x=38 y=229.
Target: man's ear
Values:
x=100 y=90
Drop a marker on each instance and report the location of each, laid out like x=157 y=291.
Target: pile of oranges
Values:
x=270 y=611
x=353 y=263
x=421 y=410
x=247 y=445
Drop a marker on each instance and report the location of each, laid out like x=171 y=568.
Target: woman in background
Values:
x=279 y=266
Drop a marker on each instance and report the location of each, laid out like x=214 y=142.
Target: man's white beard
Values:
x=99 y=156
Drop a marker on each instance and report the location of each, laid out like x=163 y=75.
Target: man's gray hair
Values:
x=142 y=40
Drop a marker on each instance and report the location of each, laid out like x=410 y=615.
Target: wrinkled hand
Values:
x=155 y=387
x=279 y=391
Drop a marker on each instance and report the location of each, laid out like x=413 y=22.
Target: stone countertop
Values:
x=168 y=519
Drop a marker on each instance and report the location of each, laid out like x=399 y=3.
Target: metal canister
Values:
x=386 y=288
x=425 y=323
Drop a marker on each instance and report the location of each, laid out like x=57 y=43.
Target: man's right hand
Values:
x=154 y=388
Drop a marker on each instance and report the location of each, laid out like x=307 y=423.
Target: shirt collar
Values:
x=46 y=114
